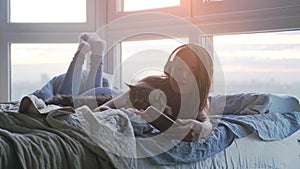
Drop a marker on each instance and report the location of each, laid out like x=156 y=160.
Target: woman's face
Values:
x=184 y=72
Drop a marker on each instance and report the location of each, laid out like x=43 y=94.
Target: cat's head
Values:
x=143 y=95
x=139 y=95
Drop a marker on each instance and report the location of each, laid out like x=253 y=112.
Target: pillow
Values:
x=240 y=104
x=252 y=103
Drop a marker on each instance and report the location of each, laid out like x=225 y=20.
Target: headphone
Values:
x=169 y=64
x=170 y=61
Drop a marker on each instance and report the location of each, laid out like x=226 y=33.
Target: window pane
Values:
x=144 y=58
x=33 y=65
x=264 y=62
x=47 y=11
x=135 y=5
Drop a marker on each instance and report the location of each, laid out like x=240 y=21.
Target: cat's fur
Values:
x=139 y=97
x=72 y=101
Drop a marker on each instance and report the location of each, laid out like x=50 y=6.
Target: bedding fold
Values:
x=37 y=144
x=269 y=127
x=53 y=139
x=271 y=116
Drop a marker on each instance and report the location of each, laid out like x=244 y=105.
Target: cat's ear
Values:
x=129 y=85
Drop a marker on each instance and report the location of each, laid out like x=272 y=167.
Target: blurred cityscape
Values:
x=250 y=63
x=242 y=83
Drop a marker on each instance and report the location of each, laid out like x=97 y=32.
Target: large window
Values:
x=37 y=39
x=33 y=65
x=47 y=11
x=261 y=62
x=61 y=21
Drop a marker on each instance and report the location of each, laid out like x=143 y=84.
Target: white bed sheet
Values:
x=248 y=153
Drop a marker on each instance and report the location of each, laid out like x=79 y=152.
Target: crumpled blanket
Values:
x=269 y=127
x=9 y=106
x=52 y=141
x=112 y=131
x=252 y=103
x=43 y=136
x=272 y=117
x=35 y=105
x=240 y=104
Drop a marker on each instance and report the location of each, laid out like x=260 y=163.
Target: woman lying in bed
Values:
x=183 y=88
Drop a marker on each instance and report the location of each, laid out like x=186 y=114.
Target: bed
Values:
x=251 y=131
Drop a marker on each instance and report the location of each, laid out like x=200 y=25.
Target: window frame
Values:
x=7 y=26
x=41 y=33
x=238 y=16
x=102 y=12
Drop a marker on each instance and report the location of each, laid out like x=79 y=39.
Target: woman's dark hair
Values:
x=205 y=65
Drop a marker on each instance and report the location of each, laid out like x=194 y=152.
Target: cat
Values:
x=77 y=101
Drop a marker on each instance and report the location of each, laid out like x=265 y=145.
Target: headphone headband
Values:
x=169 y=63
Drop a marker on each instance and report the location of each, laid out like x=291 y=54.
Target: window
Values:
x=19 y=23
x=231 y=16
x=33 y=65
x=49 y=15
x=144 y=58
x=47 y=11
x=40 y=27
x=119 y=8
x=135 y=5
x=261 y=62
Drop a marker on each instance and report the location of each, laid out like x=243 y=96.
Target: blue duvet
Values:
x=273 y=126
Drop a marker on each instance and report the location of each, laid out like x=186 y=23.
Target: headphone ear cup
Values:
x=168 y=67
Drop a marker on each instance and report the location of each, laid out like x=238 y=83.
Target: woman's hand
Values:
x=189 y=130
